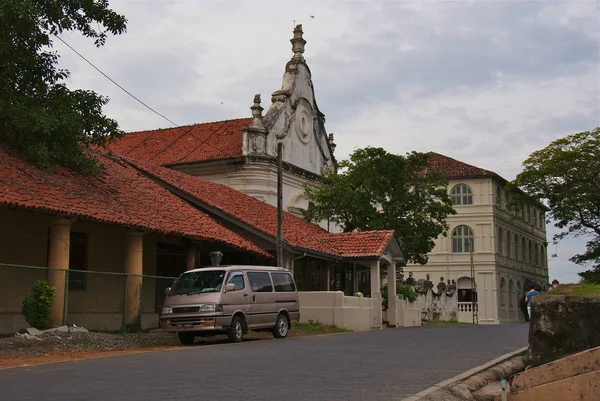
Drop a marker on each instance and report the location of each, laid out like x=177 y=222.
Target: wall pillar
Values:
x=354 y=279
x=190 y=262
x=134 y=268
x=392 y=297
x=376 y=295
x=328 y=286
x=59 y=243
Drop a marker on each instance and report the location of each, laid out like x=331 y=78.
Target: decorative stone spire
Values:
x=256 y=133
x=298 y=43
x=256 y=108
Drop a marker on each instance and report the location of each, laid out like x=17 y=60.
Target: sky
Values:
x=485 y=82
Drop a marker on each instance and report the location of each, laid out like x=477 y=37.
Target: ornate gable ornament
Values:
x=255 y=134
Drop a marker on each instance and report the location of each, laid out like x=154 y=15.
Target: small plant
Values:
x=407 y=291
x=358 y=294
x=37 y=305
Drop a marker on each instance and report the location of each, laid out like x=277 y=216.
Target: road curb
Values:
x=465 y=375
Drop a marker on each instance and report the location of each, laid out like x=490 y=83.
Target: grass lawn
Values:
x=440 y=323
x=576 y=289
x=314 y=328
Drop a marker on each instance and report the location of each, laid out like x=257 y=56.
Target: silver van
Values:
x=230 y=300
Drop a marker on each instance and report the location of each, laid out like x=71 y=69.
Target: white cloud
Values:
x=487 y=82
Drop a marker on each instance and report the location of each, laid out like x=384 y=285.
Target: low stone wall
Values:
x=335 y=309
x=353 y=313
x=562 y=325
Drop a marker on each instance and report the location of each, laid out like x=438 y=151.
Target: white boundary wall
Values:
x=354 y=313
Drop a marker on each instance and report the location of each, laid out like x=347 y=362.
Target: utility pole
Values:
x=473 y=289
x=279 y=239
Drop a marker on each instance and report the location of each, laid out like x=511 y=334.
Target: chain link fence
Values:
x=98 y=301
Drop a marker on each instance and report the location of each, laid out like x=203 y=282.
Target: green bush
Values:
x=37 y=305
x=407 y=291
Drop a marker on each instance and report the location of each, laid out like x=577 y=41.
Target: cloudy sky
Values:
x=486 y=82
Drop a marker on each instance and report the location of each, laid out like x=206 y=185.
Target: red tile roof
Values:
x=359 y=244
x=121 y=196
x=451 y=168
x=261 y=216
x=186 y=144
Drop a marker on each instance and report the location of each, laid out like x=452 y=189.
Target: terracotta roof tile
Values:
x=261 y=216
x=121 y=196
x=451 y=168
x=359 y=244
x=186 y=144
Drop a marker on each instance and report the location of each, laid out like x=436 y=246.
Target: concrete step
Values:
x=585 y=387
x=573 y=365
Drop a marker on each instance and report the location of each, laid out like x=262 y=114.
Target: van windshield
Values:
x=198 y=282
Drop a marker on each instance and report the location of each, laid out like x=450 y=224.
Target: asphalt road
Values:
x=384 y=365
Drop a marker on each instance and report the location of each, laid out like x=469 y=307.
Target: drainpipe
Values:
x=296 y=258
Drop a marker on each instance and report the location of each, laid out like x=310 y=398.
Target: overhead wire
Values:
x=175 y=126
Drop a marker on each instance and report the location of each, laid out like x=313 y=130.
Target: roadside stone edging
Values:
x=462 y=385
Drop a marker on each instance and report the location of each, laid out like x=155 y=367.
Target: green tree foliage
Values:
x=377 y=190
x=566 y=176
x=407 y=291
x=37 y=305
x=39 y=115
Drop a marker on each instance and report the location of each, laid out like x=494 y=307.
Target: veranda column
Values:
x=191 y=258
x=392 y=298
x=58 y=260
x=134 y=267
x=376 y=314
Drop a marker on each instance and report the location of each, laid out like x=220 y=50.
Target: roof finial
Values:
x=256 y=107
x=298 y=43
x=257 y=110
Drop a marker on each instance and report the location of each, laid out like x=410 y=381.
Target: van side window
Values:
x=260 y=282
x=283 y=282
x=237 y=279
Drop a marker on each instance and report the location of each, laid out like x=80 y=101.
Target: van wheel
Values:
x=282 y=326
x=236 y=330
x=186 y=338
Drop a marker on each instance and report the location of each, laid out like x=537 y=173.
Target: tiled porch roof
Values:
x=359 y=244
x=261 y=216
x=186 y=144
x=121 y=196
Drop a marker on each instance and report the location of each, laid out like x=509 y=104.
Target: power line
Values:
x=188 y=131
x=113 y=81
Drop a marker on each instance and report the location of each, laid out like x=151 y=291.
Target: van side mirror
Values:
x=167 y=290
x=229 y=287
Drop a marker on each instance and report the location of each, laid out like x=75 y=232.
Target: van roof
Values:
x=239 y=267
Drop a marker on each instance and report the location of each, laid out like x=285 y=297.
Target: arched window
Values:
x=462 y=239
x=518 y=286
x=517 y=247
x=531 y=252
x=535 y=217
x=498 y=196
x=528 y=212
x=500 y=241
x=536 y=254
x=511 y=286
x=523 y=250
x=461 y=194
x=503 y=291
x=508 y=247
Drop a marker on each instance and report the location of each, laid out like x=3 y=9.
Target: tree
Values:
x=39 y=115
x=565 y=175
x=377 y=190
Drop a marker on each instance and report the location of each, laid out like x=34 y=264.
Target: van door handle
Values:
x=245 y=295
x=253 y=298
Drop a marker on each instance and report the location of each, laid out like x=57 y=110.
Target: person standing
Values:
x=528 y=297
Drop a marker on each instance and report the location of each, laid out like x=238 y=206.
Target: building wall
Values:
x=24 y=242
x=495 y=266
